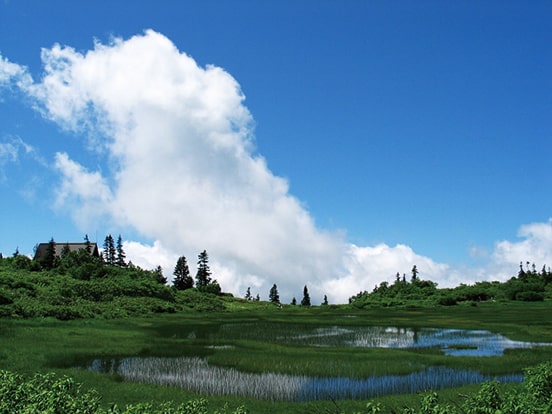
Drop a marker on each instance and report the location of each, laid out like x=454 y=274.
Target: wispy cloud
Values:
x=185 y=174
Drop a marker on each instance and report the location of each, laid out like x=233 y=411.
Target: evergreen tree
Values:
x=182 y=279
x=109 y=251
x=49 y=259
x=325 y=302
x=414 y=274
x=306 y=298
x=273 y=295
x=65 y=251
x=248 y=294
x=88 y=244
x=257 y=298
x=294 y=301
x=203 y=276
x=159 y=277
x=120 y=252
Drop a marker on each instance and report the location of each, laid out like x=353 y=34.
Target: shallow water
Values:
x=195 y=374
x=454 y=342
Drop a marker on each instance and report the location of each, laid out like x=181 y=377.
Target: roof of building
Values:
x=42 y=248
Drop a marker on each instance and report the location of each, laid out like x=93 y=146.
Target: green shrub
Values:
x=48 y=393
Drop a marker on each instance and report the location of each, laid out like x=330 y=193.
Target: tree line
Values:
x=529 y=285
x=274 y=297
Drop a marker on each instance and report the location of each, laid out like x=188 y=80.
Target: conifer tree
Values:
x=49 y=259
x=273 y=296
x=109 y=252
x=414 y=274
x=294 y=301
x=325 y=302
x=248 y=294
x=159 y=277
x=182 y=279
x=120 y=252
x=65 y=251
x=87 y=244
x=203 y=276
x=306 y=298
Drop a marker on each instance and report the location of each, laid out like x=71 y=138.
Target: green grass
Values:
x=42 y=345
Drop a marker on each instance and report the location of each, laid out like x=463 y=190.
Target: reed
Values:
x=196 y=375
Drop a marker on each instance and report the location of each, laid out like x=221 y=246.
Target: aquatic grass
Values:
x=196 y=375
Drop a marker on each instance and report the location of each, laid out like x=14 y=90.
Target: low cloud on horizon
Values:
x=184 y=172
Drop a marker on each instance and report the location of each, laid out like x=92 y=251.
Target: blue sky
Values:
x=355 y=138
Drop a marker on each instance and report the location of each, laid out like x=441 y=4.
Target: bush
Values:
x=530 y=296
x=48 y=393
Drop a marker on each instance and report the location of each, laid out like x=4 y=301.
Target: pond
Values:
x=195 y=374
x=454 y=342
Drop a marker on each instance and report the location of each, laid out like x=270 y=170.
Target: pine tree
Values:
x=109 y=252
x=273 y=296
x=87 y=244
x=159 y=277
x=120 y=252
x=248 y=294
x=182 y=279
x=65 y=250
x=325 y=302
x=306 y=298
x=203 y=276
x=49 y=259
x=414 y=274
x=294 y=301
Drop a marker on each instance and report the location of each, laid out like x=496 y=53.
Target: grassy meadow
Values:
x=47 y=344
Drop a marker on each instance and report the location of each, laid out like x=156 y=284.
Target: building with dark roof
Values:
x=42 y=249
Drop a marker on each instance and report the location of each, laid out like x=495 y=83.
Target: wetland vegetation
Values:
x=121 y=331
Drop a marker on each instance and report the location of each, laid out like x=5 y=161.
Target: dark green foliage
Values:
x=73 y=294
x=159 y=277
x=528 y=286
x=49 y=259
x=44 y=394
x=248 y=294
x=182 y=279
x=87 y=244
x=109 y=251
x=325 y=301
x=48 y=393
x=120 y=253
x=84 y=286
x=306 y=297
x=212 y=288
x=534 y=397
x=203 y=276
x=273 y=296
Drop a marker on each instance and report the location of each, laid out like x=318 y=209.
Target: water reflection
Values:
x=196 y=375
x=454 y=342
